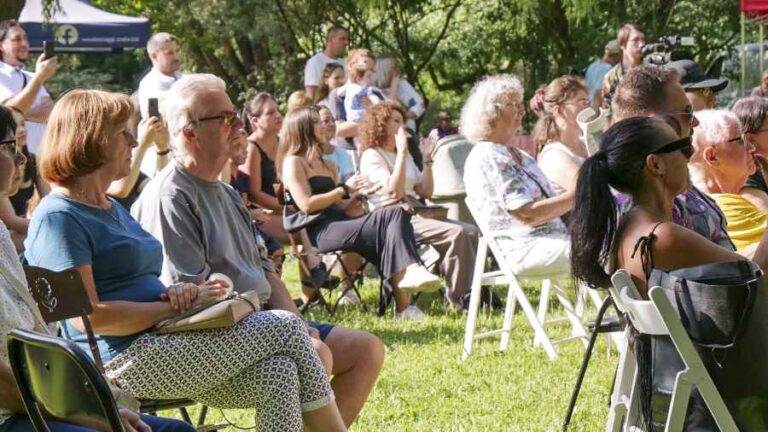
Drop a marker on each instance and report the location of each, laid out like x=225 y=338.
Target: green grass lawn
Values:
x=424 y=386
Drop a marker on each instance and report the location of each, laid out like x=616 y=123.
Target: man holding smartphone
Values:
x=163 y=52
x=21 y=89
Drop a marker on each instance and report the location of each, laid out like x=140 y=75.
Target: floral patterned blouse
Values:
x=14 y=312
x=496 y=183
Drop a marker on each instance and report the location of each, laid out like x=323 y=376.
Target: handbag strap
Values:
x=23 y=292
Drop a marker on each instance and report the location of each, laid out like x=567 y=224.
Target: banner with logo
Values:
x=81 y=27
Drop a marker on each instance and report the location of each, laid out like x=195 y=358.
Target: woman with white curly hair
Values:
x=513 y=197
x=722 y=162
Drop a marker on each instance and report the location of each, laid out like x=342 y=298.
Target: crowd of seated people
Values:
x=349 y=155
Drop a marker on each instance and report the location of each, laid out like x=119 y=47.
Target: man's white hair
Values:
x=158 y=40
x=716 y=127
x=486 y=103
x=182 y=104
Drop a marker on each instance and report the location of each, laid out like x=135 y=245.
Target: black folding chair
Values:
x=55 y=376
x=61 y=296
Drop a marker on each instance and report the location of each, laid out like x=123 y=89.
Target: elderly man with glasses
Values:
x=205 y=228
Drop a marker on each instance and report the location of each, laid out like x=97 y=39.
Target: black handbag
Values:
x=724 y=309
x=298 y=220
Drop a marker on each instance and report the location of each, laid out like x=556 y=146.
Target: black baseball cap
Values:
x=692 y=77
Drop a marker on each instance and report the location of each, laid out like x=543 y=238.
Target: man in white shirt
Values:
x=14 y=52
x=163 y=52
x=335 y=44
x=164 y=55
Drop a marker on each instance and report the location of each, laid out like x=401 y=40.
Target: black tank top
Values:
x=268 y=172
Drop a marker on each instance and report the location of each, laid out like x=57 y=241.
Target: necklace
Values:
x=111 y=211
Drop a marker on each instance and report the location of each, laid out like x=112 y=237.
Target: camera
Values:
x=667 y=49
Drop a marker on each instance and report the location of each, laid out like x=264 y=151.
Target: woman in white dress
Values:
x=557 y=135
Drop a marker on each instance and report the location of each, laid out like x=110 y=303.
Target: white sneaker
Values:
x=417 y=278
x=411 y=313
x=350 y=298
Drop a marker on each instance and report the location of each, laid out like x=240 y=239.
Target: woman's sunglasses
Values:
x=683 y=144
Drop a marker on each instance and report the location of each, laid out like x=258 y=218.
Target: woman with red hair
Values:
x=386 y=161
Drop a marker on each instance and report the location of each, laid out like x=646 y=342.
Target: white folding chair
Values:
x=505 y=276
x=658 y=317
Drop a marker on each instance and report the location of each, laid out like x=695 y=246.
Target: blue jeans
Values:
x=21 y=423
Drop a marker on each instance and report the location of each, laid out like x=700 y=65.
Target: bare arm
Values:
x=346 y=129
x=543 y=211
x=120 y=318
x=395 y=186
x=44 y=69
x=756 y=197
x=256 y=195
x=296 y=181
x=310 y=90
x=151 y=131
x=40 y=113
x=10 y=218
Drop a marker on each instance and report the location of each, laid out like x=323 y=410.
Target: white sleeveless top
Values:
x=557 y=146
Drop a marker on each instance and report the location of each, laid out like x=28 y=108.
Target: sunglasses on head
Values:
x=684 y=145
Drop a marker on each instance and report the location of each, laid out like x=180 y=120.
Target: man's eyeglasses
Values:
x=9 y=147
x=228 y=118
x=683 y=144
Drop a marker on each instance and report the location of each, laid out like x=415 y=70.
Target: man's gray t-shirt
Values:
x=204 y=228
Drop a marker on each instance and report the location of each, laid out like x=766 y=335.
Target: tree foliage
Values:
x=442 y=46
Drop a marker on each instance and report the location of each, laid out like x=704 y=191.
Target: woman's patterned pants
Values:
x=265 y=362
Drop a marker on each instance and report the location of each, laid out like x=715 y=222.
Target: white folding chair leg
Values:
x=546 y=291
x=622 y=391
x=538 y=328
x=679 y=405
x=578 y=329
x=474 y=298
x=581 y=302
x=509 y=312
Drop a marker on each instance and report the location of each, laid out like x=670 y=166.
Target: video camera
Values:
x=667 y=49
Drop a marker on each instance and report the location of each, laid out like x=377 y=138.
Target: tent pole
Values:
x=762 y=49
x=743 y=54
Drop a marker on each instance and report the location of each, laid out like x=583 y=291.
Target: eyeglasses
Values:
x=683 y=144
x=687 y=115
x=9 y=147
x=228 y=118
x=739 y=139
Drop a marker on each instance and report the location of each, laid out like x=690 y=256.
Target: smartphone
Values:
x=152 y=108
x=49 y=50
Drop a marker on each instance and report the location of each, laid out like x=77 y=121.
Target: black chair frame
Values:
x=25 y=346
